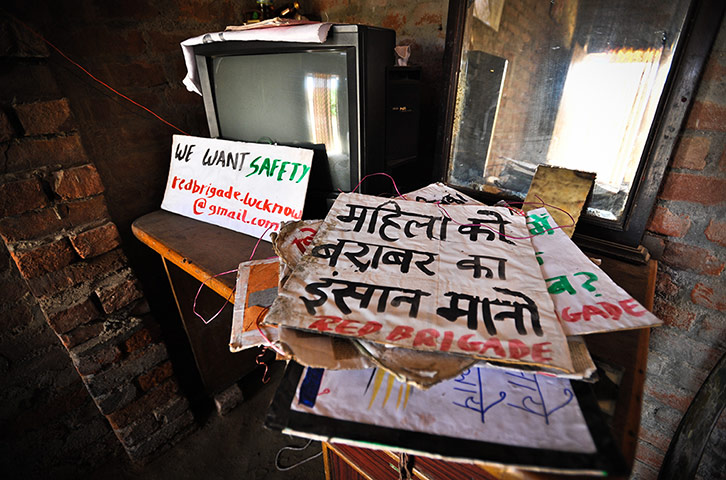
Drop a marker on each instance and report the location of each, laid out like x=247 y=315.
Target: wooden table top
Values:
x=200 y=249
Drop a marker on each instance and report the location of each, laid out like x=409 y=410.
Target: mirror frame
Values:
x=622 y=238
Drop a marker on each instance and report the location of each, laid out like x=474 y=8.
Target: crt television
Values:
x=326 y=96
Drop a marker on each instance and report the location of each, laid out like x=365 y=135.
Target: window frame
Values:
x=614 y=238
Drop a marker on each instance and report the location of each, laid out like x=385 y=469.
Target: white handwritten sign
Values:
x=246 y=187
x=515 y=408
x=403 y=273
x=586 y=299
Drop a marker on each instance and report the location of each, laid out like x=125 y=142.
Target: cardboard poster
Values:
x=407 y=274
x=585 y=298
x=246 y=187
x=255 y=290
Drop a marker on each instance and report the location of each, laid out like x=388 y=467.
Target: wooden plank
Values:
x=200 y=249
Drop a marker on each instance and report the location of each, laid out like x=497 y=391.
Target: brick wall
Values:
x=687 y=232
x=71 y=298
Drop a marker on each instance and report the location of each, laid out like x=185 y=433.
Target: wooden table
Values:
x=627 y=350
x=194 y=252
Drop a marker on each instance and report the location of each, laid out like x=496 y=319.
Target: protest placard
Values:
x=585 y=298
x=407 y=274
x=246 y=187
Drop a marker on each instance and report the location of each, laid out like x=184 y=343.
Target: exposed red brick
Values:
x=668 y=395
x=7 y=131
x=658 y=439
x=46 y=258
x=78 y=272
x=665 y=222
x=21 y=196
x=31 y=225
x=34 y=153
x=153 y=399
x=138 y=340
x=73 y=316
x=96 y=241
x=707 y=116
x=714 y=71
x=691 y=153
x=77 y=182
x=716 y=232
x=429 y=19
x=154 y=377
x=84 y=211
x=80 y=334
x=688 y=257
x=39 y=118
x=694 y=188
x=665 y=284
x=393 y=21
x=118 y=295
x=649 y=455
x=706 y=296
x=93 y=363
x=672 y=315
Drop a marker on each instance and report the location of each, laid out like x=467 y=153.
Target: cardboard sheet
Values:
x=564 y=188
x=407 y=274
x=586 y=299
x=291 y=243
x=255 y=290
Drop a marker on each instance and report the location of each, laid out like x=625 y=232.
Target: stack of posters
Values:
x=481 y=306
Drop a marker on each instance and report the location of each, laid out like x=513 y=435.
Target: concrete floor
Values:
x=234 y=446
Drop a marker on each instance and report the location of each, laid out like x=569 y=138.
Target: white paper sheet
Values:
x=310 y=33
x=510 y=408
x=586 y=299
x=407 y=274
x=246 y=187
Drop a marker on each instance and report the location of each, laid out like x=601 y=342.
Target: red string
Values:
x=194 y=305
x=96 y=79
x=395 y=187
x=540 y=203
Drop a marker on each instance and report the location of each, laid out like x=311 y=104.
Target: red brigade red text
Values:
x=432 y=339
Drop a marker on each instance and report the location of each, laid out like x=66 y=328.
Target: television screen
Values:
x=292 y=98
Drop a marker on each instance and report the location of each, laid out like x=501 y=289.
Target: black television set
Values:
x=328 y=96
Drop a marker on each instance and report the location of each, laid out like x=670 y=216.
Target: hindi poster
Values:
x=585 y=298
x=462 y=280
